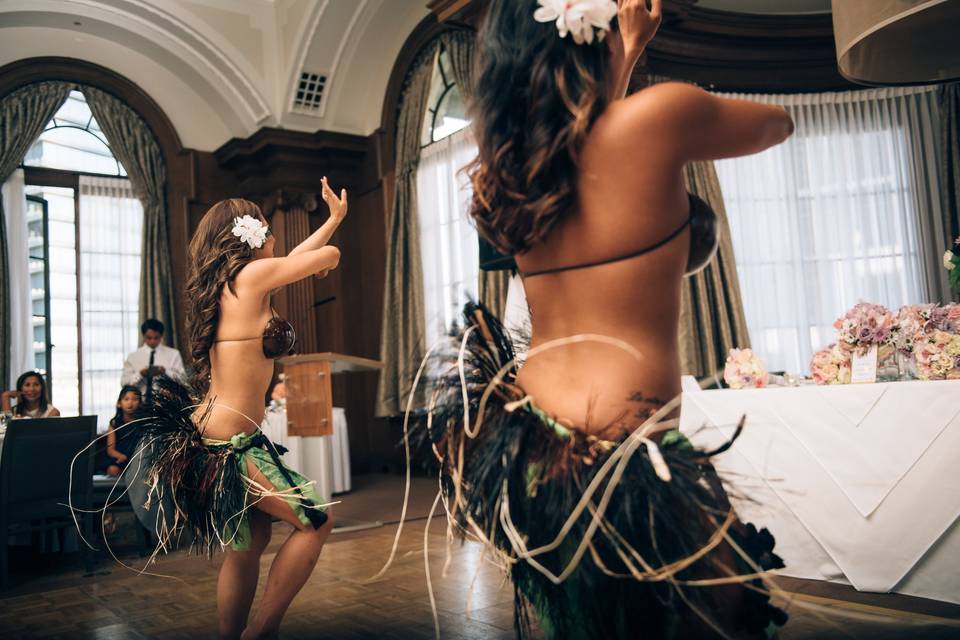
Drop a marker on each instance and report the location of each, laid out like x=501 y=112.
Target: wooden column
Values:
x=289 y=217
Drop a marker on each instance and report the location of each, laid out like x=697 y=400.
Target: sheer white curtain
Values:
x=844 y=211
x=448 y=242
x=18 y=253
x=111 y=233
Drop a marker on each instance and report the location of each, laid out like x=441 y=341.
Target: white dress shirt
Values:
x=166 y=357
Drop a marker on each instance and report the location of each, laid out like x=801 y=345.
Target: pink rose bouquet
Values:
x=744 y=370
x=937 y=355
x=831 y=365
x=864 y=326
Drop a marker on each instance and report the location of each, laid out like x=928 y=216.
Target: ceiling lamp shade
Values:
x=886 y=42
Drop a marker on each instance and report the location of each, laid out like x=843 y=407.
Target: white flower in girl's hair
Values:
x=578 y=17
x=250 y=230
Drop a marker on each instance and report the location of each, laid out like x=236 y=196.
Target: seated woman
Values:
x=610 y=523
x=120 y=448
x=31 y=398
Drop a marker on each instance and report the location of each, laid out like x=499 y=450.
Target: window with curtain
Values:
x=83 y=210
x=111 y=231
x=834 y=216
x=448 y=241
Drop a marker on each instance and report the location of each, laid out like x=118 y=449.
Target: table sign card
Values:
x=863 y=367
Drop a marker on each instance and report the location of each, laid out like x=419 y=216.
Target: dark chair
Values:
x=35 y=479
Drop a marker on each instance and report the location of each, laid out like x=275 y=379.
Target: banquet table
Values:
x=858 y=483
x=323 y=459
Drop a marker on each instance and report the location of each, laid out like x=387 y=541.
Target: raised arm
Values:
x=338 y=211
x=636 y=27
x=267 y=274
x=695 y=125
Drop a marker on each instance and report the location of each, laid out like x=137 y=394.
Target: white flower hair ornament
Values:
x=250 y=230
x=578 y=17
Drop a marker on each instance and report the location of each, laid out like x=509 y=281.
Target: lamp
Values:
x=889 y=42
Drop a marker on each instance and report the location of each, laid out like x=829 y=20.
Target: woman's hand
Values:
x=637 y=23
x=338 y=206
x=120 y=458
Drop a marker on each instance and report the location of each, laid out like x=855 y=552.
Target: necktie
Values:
x=148 y=396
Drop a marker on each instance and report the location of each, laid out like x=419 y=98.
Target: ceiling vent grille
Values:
x=309 y=96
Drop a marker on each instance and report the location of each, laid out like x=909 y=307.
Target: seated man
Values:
x=151 y=360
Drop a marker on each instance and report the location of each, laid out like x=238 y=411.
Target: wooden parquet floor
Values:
x=116 y=603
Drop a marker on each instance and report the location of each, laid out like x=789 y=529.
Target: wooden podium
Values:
x=309 y=390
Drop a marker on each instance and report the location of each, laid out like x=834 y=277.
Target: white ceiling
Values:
x=768 y=6
x=225 y=68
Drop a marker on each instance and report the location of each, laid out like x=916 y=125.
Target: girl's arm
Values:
x=112 y=442
x=636 y=27
x=264 y=275
x=338 y=211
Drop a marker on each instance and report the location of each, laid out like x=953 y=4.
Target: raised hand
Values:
x=637 y=22
x=337 y=206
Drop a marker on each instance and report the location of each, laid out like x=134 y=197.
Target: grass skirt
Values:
x=185 y=482
x=655 y=534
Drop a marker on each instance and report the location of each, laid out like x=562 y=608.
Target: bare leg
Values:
x=291 y=567
x=237 y=582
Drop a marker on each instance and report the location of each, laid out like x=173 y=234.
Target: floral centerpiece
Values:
x=831 y=365
x=913 y=322
x=937 y=356
x=744 y=370
x=864 y=326
x=951 y=261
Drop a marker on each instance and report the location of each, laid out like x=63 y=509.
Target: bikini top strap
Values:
x=633 y=254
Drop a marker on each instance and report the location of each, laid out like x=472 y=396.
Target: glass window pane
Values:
x=72 y=141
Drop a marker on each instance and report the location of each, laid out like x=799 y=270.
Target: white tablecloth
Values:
x=323 y=459
x=859 y=483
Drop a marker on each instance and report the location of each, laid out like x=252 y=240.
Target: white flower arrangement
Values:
x=578 y=17
x=250 y=230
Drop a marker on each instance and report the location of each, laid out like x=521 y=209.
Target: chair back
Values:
x=35 y=467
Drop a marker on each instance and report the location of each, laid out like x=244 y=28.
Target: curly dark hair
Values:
x=216 y=257
x=536 y=98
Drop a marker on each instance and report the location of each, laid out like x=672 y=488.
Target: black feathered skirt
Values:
x=627 y=539
x=187 y=483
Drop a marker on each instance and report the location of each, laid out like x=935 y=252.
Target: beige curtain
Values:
x=711 y=312
x=948 y=98
x=491 y=285
x=23 y=115
x=404 y=325
x=134 y=145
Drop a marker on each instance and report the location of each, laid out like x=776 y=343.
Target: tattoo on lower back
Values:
x=637 y=396
x=646 y=412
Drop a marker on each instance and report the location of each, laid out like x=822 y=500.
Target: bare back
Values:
x=625 y=203
x=239 y=372
x=631 y=195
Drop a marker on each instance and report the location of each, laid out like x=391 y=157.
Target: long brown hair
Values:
x=536 y=98
x=216 y=257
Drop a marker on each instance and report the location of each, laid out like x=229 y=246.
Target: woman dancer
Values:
x=212 y=471
x=610 y=524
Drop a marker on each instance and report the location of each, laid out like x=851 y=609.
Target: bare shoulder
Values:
x=662 y=107
x=654 y=121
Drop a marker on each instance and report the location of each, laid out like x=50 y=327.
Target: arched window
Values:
x=446 y=110
x=448 y=241
x=72 y=141
x=85 y=228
